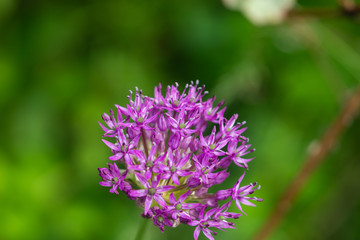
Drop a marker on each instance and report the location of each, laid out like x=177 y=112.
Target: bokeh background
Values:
x=65 y=62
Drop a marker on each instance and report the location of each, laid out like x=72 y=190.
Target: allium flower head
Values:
x=163 y=158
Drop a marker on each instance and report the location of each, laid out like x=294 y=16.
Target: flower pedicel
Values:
x=163 y=159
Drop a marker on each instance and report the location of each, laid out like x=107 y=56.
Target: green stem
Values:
x=349 y=10
x=178 y=188
x=141 y=231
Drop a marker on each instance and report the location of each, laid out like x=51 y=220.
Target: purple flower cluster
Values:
x=162 y=158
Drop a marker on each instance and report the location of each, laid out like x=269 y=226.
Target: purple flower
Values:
x=112 y=123
x=211 y=146
x=221 y=214
x=148 y=165
x=139 y=111
x=151 y=192
x=239 y=194
x=178 y=207
x=113 y=179
x=161 y=218
x=204 y=170
x=227 y=128
x=179 y=125
x=235 y=153
x=123 y=149
x=163 y=159
x=173 y=168
x=203 y=222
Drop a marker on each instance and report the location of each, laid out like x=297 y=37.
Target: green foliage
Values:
x=64 y=63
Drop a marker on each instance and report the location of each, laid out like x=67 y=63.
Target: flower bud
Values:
x=193 y=182
x=174 y=141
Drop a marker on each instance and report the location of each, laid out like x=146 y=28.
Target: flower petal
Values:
x=106 y=184
x=193 y=223
x=175 y=179
x=164 y=188
x=138 y=193
x=111 y=145
x=207 y=233
x=148 y=202
x=196 y=232
x=184 y=196
x=158 y=198
x=142 y=179
x=172 y=198
x=237 y=185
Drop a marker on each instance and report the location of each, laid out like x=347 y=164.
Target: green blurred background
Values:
x=63 y=63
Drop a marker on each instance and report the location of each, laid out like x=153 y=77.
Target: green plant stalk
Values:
x=142 y=229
